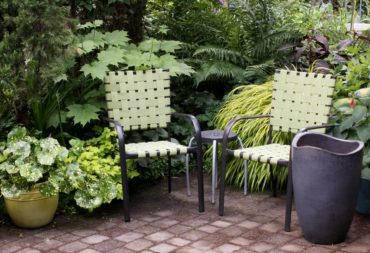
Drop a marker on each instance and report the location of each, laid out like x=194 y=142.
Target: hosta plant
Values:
x=27 y=162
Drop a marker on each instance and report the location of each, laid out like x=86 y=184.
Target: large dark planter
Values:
x=326 y=174
x=363 y=197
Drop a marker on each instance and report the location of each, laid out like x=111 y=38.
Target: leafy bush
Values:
x=27 y=162
x=99 y=160
x=352 y=101
x=251 y=100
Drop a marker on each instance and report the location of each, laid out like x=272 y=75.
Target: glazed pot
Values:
x=326 y=175
x=31 y=209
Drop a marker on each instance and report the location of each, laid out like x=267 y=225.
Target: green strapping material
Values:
x=154 y=149
x=300 y=99
x=137 y=99
x=272 y=153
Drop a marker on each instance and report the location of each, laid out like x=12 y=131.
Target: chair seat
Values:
x=155 y=149
x=271 y=154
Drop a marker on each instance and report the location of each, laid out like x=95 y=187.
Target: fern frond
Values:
x=222 y=54
x=218 y=70
x=259 y=73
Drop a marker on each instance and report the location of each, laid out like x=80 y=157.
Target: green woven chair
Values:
x=138 y=100
x=300 y=101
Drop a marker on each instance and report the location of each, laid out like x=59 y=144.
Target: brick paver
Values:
x=164 y=222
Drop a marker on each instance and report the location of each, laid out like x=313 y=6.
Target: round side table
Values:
x=214 y=137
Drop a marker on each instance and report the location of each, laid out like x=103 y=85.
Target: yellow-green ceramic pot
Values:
x=31 y=209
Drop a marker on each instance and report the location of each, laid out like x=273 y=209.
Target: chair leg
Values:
x=245 y=169
x=200 y=179
x=289 y=200
x=187 y=168
x=125 y=190
x=273 y=183
x=245 y=177
x=214 y=171
x=224 y=158
x=169 y=173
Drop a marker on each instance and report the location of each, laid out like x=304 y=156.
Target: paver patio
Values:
x=164 y=222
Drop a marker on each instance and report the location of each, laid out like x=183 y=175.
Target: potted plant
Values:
x=32 y=173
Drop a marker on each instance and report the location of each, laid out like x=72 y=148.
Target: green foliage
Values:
x=321 y=20
x=27 y=162
x=352 y=101
x=251 y=100
x=98 y=158
x=114 y=52
x=33 y=52
x=251 y=48
x=82 y=114
x=181 y=17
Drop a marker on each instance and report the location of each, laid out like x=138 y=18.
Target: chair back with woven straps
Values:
x=139 y=99
x=300 y=99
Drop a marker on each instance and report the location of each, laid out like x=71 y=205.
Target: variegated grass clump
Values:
x=251 y=100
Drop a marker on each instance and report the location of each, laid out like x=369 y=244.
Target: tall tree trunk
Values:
x=135 y=17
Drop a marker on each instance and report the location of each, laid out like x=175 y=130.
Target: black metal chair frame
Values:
x=197 y=150
x=227 y=153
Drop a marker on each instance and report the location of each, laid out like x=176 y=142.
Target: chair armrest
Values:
x=120 y=135
x=196 y=125
x=305 y=129
x=232 y=123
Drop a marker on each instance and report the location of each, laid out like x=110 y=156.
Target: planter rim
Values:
x=298 y=136
x=31 y=196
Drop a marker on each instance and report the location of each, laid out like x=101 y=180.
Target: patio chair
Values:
x=140 y=100
x=299 y=100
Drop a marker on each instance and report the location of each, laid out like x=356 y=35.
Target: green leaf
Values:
x=170 y=46
x=9 y=168
x=62 y=77
x=75 y=175
x=49 y=151
x=85 y=200
x=135 y=58
x=82 y=114
x=112 y=56
x=49 y=189
x=87 y=46
x=17 y=134
x=20 y=150
x=359 y=113
x=108 y=190
x=363 y=132
x=53 y=121
x=346 y=124
x=9 y=190
x=96 y=37
x=116 y=38
x=96 y=69
x=31 y=172
x=179 y=68
x=150 y=45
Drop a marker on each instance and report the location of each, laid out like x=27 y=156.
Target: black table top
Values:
x=216 y=135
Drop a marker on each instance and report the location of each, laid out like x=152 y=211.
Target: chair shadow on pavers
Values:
x=299 y=100
x=140 y=100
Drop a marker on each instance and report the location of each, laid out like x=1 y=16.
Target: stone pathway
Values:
x=164 y=222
